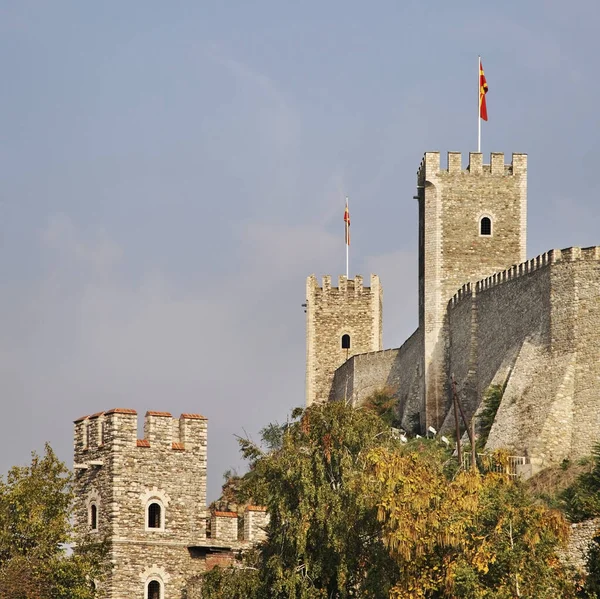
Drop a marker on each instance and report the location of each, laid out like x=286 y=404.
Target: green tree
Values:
x=324 y=540
x=35 y=533
x=582 y=499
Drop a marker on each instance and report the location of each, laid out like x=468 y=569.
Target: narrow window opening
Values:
x=101 y=433
x=154 y=589
x=485 y=227
x=154 y=515
x=94 y=516
x=346 y=341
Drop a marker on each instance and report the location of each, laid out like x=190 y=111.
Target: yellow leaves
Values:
x=451 y=536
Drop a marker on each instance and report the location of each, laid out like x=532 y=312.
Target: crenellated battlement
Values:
x=116 y=429
x=542 y=261
x=430 y=165
x=346 y=287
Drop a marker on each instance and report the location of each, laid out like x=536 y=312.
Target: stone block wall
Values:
x=224 y=526
x=255 y=523
x=580 y=539
x=332 y=312
x=535 y=328
x=397 y=370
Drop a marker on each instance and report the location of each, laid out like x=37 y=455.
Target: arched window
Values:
x=346 y=341
x=154 y=590
x=485 y=226
x=93 y=516
x=154 y=515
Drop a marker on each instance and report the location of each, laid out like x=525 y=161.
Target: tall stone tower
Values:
x=340 y=322
x=147 y=497
x=472 y=223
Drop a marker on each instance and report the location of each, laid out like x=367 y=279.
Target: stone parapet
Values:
x=555 y=256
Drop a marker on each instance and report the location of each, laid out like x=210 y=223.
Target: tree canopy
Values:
x=35 y=533
x=357 y=513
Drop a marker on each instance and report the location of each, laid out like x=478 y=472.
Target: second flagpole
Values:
x=347 y=238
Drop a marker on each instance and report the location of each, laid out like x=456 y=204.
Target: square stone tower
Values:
x=340 y=322
x=147 y=497
x=472 y=223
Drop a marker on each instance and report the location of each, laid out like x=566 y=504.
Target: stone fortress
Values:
x=486 y=316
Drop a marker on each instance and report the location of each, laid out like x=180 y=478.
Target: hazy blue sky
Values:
x=172 y=171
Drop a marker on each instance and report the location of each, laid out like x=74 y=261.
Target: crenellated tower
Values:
x=340 y=322
x=147 y=497
x=472 y=223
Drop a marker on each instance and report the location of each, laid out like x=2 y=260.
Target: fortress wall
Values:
x=536 y=326
x=507 y=314
x=576 y=331
x=460 y=339
x=399 y=370
x=489 y=321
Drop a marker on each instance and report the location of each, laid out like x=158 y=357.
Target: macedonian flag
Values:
x=483 y=89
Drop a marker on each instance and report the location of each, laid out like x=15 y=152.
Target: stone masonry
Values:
x=452 y=250
x=331 y=313
x=122 y=481
x=488 y=316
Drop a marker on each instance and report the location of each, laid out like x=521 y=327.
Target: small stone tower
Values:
x=340 y=322
x=472 y=223
x=147 y=497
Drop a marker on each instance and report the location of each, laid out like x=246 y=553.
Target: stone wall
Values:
x=580 y=539
x=224 y=526
x=332 y=312
x=396 y=370
x=255 y=523
x=534 y=328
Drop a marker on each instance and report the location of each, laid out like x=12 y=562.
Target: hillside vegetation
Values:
x=355 y=512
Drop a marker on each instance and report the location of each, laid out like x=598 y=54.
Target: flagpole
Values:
x=347 y=241
x=479 y=104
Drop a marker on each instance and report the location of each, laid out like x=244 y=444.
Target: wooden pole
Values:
x=469 y=426
x=456 y=422
x=473 y=451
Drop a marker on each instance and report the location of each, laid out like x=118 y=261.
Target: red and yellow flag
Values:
x=347 y=223
x=483 y=89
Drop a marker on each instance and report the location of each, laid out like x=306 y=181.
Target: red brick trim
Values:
x=143 y=443
x=225 y=514
x=256 y=508
x=178 y=446
x=80 y=419
x=154 y=413
x=194 y=417
x=121 y=411
x=96 y=415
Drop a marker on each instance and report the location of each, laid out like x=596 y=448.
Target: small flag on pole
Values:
x=483 y=89
x=347 y=223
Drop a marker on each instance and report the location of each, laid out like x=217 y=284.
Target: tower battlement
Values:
x=430 y=164
x=346 y=287
x=116 y=430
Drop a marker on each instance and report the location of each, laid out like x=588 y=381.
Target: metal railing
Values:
x=487 y=463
